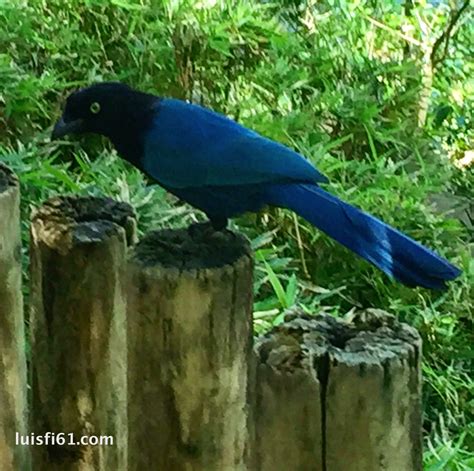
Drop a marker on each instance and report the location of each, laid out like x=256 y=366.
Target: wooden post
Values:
x=190 y=346
x=12 y=334
x=78 y=331
x=334 y=395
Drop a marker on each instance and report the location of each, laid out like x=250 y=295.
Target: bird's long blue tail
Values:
x=385 y=247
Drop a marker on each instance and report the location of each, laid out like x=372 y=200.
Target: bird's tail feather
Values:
x=387 y=248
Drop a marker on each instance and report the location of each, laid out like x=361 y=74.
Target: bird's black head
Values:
x=111 y=109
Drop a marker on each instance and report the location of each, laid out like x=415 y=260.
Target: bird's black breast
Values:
x=129 y=131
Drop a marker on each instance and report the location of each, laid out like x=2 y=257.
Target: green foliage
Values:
x=342 y=81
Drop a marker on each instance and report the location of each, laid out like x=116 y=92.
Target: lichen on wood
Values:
x=190 y=344
x=78 y=329
x=13 y=401
x=356 y=385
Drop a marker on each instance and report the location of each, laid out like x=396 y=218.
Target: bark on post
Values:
x=190 y=345
x=78 y=330
x=334 y=395
x=12 y=335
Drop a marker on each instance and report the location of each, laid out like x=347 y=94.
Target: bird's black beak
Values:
x=62 y=128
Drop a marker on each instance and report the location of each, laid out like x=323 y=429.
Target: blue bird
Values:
x=225 y=169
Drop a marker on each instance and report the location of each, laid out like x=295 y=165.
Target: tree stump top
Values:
x=68 y=221
x=368 y=337
x=191 y=249
x=7 y=178
x=356 y=385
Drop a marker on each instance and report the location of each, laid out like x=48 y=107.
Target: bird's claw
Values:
x=201 y=230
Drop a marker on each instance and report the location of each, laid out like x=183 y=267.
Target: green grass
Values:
x=348 y=104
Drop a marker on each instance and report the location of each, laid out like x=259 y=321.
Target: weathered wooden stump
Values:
x=13 y=405
x=190 y=345
x=334 y=395
x=78 y=330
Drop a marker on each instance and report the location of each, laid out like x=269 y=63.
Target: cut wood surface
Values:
x=338 y=395
x=78 y=330
x=13 y=407
x=190 y=346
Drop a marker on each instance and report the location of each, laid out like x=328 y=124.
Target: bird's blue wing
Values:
x=191 y=146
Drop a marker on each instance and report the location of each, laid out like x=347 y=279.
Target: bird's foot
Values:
x=198 y=229
x=208 y=229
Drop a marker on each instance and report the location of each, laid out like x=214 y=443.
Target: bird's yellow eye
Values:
x=95 y=108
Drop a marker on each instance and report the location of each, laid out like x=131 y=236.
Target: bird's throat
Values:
x=128 y=133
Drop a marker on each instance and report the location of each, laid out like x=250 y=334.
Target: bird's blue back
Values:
x=190 y=146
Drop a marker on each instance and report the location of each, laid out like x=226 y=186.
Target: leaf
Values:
x=128 y=6
x=276 y=285
x=373 y=150
x=291 y=289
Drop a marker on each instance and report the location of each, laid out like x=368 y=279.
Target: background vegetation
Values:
x=378 y=94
